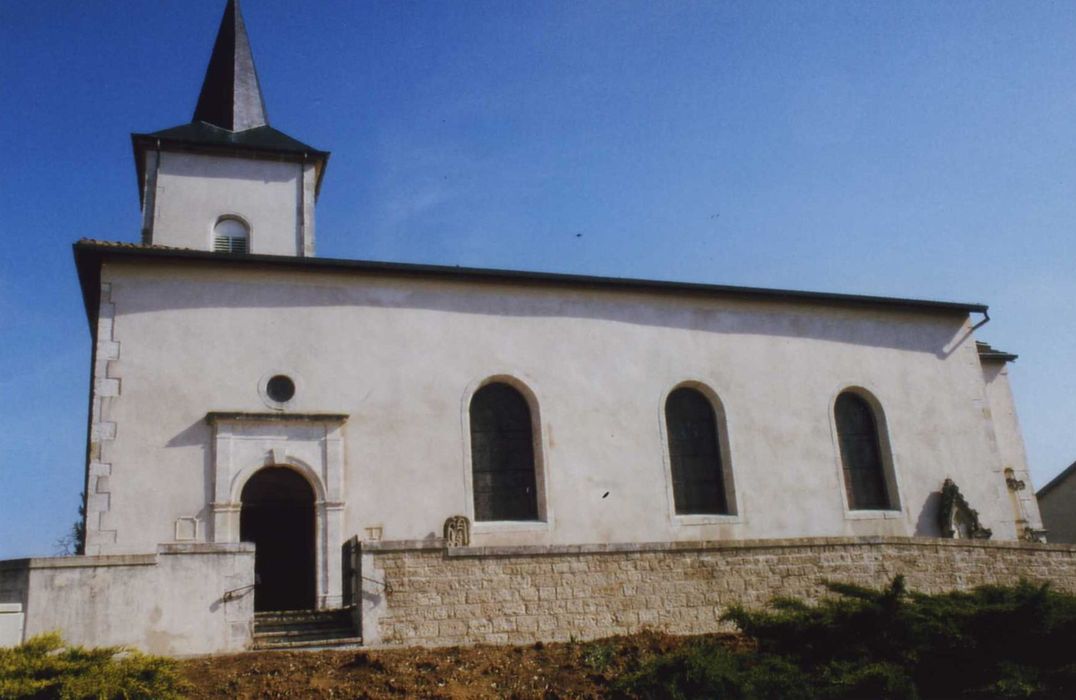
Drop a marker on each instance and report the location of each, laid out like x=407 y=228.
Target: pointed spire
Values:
x=231 y=97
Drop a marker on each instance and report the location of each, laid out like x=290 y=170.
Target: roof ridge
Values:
x=1056 y=481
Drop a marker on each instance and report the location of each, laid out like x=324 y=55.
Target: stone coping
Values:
x=206 y=548
x=405 y=545
x=703 y=545
x=78 y=562
x=75 y=562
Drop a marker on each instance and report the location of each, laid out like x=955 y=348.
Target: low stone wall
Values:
x=171 y=602
x=420 y=593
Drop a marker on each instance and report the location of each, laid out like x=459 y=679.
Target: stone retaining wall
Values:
x=420 y=593
x=182 y=599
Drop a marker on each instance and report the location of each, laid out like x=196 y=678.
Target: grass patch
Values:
x=44 y=667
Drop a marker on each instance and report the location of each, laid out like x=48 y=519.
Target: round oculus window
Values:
x=280 y=388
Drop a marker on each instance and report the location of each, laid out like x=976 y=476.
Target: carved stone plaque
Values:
x=457 y=531
x=186 y=529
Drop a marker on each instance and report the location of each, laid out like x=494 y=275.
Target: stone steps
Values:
x=304 y=629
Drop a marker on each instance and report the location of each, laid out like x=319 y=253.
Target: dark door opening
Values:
x=278 y=517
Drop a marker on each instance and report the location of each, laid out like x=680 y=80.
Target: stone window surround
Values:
x=541 y=468
x=885 y=446
x=310 y=444
x=732 y=497
x=263 y=387
x=231 y=216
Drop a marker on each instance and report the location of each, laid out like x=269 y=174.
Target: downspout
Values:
x=980 y=324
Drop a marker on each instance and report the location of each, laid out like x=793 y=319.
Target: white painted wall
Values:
x=402 y=356
x=1010 y=443
x=171 y=602
x=11 y=621
x=188 y=193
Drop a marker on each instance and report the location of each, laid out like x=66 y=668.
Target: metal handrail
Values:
x=236 y=592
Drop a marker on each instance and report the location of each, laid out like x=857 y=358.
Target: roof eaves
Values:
x=520 y=276
x=87 y=264
x=294 y=151
x=988 y=353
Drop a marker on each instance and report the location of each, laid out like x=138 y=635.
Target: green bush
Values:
x=994 y=641
x=598 y=655
x=44 y=668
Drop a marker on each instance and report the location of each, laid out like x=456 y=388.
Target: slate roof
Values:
x=988 y=353
x=261 y=138
x=230 y=116
x=1057 y=480
x=231 y=96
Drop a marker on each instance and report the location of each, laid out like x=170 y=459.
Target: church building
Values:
x=290 y=450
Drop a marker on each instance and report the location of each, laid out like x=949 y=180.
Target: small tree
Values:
x=74 y=540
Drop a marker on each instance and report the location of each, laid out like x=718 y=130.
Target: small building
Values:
x=415 y=454
x=1057 y=503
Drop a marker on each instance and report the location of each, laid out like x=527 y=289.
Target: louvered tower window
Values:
x=502 y=455
x=861 y=454
x=694 y=454
x=230 y=235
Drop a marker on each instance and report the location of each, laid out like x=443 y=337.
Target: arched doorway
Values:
x=278 y=517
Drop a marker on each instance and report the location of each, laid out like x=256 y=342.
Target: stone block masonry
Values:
x=100 y=530
x=420 y=593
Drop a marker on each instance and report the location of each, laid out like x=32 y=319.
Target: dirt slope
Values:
x=563 y=670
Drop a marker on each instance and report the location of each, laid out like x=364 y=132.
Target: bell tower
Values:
x=227 y=181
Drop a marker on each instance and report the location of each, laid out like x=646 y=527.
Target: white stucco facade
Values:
x=187 y=193
x=385 y=365
x=209 y=492
x=1010 y=445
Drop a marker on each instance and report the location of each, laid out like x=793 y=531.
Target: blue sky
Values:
x=905 y=149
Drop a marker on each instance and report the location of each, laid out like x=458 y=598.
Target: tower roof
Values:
x=230 y=117
x=231 y=97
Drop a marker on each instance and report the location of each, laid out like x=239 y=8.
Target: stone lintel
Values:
x=215 y=417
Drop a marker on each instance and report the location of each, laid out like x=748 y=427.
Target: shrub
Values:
x=598 y=655
x=698 y=670
x=45 y=668
x=994 y=641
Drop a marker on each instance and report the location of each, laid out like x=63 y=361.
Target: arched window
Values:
x=231 y=235
x=861 y=454
x=502 y=455
x=695 y=454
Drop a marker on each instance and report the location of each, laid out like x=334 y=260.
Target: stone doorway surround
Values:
x=310 y=443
